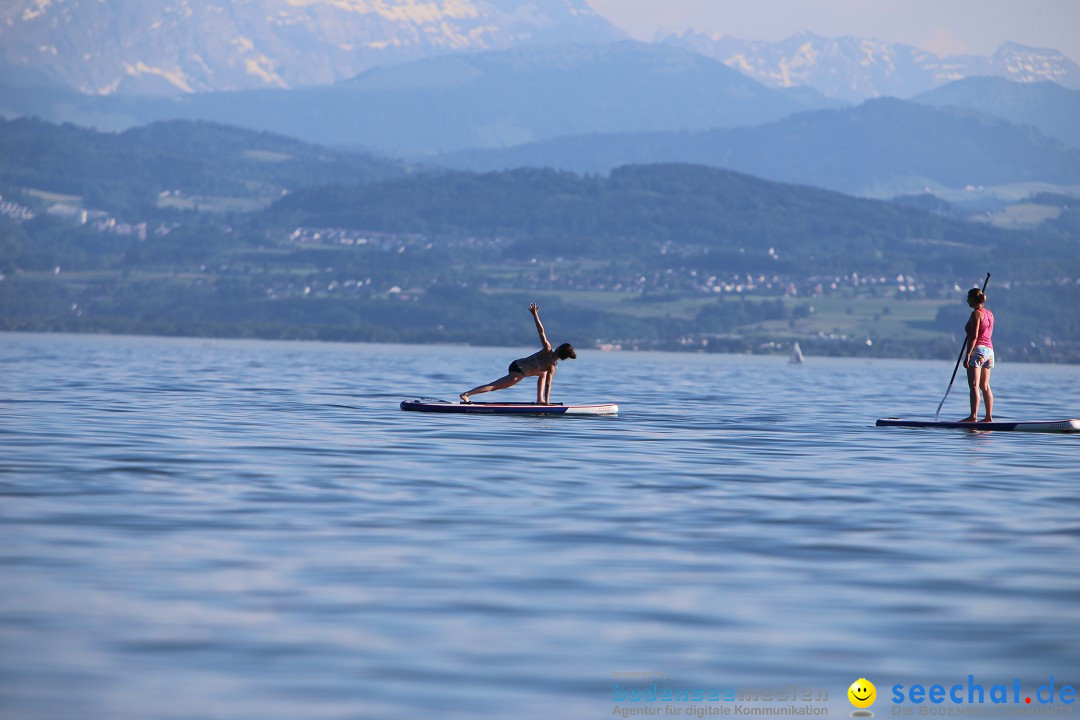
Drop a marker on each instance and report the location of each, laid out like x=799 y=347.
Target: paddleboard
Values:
x=435 y=405
x=1044 y=426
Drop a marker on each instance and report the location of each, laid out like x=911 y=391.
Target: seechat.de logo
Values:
x=974 y=693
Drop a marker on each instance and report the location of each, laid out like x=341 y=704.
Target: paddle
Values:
x=959 y=357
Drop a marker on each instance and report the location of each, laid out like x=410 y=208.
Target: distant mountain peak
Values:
x=855 y=69
x=1025 y=64
x=183 y=46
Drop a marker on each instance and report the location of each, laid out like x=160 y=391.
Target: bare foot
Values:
x=969 y=418
x=464 y=397
x=987 y=419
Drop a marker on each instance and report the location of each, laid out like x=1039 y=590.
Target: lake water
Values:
x=233 y=529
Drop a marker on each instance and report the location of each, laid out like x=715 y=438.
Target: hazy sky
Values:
x=941 y=26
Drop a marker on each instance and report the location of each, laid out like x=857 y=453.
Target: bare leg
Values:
x=501 y=384
x=974 y=374
x=988 y=395
x=543 y=388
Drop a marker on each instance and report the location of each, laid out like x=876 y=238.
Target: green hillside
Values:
x=723 y=218
x=177 y=164
x=663 y=256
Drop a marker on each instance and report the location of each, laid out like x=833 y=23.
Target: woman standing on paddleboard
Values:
x=979 y=359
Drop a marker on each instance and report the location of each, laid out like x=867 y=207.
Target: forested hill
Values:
x=636 y=207
x=883 y=147
x=143 y=233
x=129 y=171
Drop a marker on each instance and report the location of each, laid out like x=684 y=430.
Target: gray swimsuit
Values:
x=539 y=361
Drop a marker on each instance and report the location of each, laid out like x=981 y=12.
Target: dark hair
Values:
x=566 y=350
x=977 y=295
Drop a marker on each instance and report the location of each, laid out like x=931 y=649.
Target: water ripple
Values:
x=258 y=521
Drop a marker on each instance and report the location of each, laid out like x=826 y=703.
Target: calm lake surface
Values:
x=232 y=529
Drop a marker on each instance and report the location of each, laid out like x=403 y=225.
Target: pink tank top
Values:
x=986 y=328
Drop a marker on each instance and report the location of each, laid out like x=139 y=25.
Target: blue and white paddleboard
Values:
x=434 y=405
x=1043 y=426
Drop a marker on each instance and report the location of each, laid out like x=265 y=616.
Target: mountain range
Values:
x=482 y=84
x=881 y=148
x=173 y=47
x=187 y=46
x=485 y=100
x=854 y=69
x=1052 y=109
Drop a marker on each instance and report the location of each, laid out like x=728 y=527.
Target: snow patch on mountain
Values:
x=856 y=69
x=184 y=46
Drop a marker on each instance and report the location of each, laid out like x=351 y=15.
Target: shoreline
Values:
x=929 y=351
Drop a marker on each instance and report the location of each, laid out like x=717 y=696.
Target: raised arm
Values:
x=535 y=310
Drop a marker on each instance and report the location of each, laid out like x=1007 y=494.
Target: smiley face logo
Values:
x=862 y=693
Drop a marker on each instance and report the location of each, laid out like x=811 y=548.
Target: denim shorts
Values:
x=983 y=357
